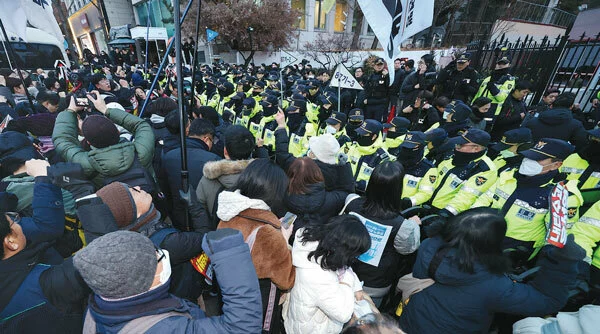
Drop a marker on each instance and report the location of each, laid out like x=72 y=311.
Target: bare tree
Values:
x=329 y=50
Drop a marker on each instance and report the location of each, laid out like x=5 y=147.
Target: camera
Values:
x=81 y=99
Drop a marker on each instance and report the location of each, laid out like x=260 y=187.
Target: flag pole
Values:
x=12 y=54
x=163 y=62
x=194 y=61
x=185 y=186
x=147 y=36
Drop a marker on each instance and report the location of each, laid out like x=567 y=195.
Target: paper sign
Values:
x=4 y=123
x=202 y=265
x=343 y=79
x=379 y=237
x=286 y=59
x=557 y=231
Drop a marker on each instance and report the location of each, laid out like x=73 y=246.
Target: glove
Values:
x=492 y=88
x=406 y=203
x=571 y=252
x=221 y=240
x=70 y=177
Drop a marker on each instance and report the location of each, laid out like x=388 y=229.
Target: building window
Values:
x=319 y=15
x=300 y=6
x=159 y=15
x=341 y=15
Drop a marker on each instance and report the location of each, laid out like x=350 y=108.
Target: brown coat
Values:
x=270 y=255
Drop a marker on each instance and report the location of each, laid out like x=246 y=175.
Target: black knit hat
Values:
x=100 y=131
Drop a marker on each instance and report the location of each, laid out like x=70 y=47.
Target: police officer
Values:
x=458 y=80
x=422 y=114
x=336 y=124
x=587 y=235
x=456 y=117
x=396 y=130
x=466 y=176
x=268 y=125
x=438 y=147
x=376 y=93
x=420 y=177
x=506 y=152
x=523 y=195
x=355 y=119
x=497 y=86
x=366 y=152
x=585 y=165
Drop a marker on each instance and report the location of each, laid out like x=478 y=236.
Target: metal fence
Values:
x=537 y=13
x=571 y=65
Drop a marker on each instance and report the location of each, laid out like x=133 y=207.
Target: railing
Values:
x=535 y=13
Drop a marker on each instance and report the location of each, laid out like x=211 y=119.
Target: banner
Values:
x=393 y=21
x=379 y=237
x=40 y=15
x=13 y=17
x=343 y=79
x=557 y=231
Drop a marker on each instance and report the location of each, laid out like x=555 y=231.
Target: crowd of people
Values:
x=421 y=205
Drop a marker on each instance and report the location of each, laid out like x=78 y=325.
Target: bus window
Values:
x=31 y=56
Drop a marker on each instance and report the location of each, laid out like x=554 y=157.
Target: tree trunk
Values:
x=249 y=59
x=359 y=22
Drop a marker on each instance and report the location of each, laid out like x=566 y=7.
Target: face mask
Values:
x=530 y=167
x=393 y=134
x=445 y=115
x=463 y=158
x=507 y=154
x=165 y=274
x=330 y=129
x=364 y=141
x=246 y=111
x=410 y=157
x=255 y=93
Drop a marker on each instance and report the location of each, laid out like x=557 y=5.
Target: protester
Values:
x=382 y=204
x=468 y=267
x=130 y=278
x=253 y=209
x=322 y=298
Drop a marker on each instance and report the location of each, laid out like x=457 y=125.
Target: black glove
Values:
x=70 y=177
x=492 y=88
x=406 y=203
x=571 y=252
x=8 y=202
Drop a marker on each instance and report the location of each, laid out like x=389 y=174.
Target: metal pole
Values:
x=12 y=54
x=6 y=53
x=147 y=36
x=157 y=51
x=185 y=192
x=193 y=99
x=163 y=62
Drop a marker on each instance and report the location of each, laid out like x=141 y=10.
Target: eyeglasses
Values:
x=15 y=217
x=161 y=254
x=136 y=189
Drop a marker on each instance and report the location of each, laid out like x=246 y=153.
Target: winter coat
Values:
x=425 y=81
x=558 y=123
x=458 y=85
x=460 y=302
x=316 y=206
x=404 y=239
x=198 y=155
x=585 y=320
x=337 y=177
x=218 y=176
x=270 y=254
x=509 y=117
x=109 y=161
x=321 y=301
x=34 y=298
x=240 y=293
x=6 y=109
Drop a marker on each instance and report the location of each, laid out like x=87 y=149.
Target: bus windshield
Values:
x=31 y=56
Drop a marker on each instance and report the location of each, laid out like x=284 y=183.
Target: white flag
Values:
x=343 y=79
x=393 y=21
x=13 y=18
x=39 y=15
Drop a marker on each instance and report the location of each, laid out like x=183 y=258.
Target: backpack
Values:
x=135 y=176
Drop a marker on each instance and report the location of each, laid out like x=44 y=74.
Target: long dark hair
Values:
x=384 y=191
x=264 y=180
x=477 y=236
x=341 y=240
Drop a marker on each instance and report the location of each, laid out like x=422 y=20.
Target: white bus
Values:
x=41 y=50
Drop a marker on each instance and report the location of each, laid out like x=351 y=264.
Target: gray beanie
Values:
x=118 y=264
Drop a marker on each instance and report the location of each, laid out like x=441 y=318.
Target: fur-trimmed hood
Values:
x=217 y=169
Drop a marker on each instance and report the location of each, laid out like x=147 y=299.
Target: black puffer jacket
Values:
x=316 y=206
x=560 y=124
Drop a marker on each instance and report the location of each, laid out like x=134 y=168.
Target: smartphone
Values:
x=288 y=220
x=82 y=102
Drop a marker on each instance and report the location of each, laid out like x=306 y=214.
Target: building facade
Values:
x=90 y=21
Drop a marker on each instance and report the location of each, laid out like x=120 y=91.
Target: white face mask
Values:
x=507 y=154
x=330 y=129
x=530 y=167
x=166 y=269
x=445 y=116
